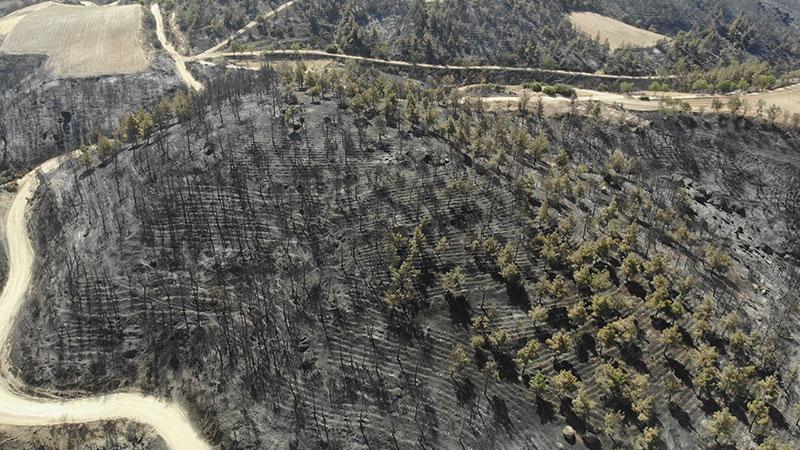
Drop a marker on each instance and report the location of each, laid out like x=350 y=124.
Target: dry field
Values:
x=80 y=41
x=618 y=34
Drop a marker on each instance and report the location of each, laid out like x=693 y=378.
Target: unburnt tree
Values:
x=583 y=404
x=560 y=342
x=721 y=426
x=527 y=354
x=734 y=380
x=459 y=360
x=670 y=338
x=538 y=314
x=758 y=413
x=620 y=333
x=564 y=383
x=648 y=440
x=539 y=384
x=774 y=443
x=453 y=281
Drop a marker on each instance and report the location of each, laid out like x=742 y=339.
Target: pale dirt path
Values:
x=388 y=62
x=246 y=28
x=180 y=61
x=787 y=98
x=17 y=409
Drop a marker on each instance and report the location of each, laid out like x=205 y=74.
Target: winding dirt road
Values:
x=180 y=61
x=166 y=418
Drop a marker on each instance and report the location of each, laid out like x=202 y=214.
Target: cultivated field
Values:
x=80 y=41
x=618 y=34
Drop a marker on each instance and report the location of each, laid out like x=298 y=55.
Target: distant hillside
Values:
x=534 y=33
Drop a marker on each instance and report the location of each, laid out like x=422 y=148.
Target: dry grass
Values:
x=79 y=41
x=618 y=34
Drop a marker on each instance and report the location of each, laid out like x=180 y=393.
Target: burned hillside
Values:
x=349 y=261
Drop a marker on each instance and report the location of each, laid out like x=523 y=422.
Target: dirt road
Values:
x=180 y=61
x=166 y=418
x=388 y=62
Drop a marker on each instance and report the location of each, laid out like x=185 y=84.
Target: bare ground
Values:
x=617 y=33
x=80 y=41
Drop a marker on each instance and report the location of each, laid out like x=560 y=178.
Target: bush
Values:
x=565 y=90
x=726 y=86
x=659 y=87
x=535 y=86
x=549 y=90
x=764 y=81
x=701 y=85
x=645 y=98
x=626 y=87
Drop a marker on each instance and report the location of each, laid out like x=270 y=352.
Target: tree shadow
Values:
x=709 y=405
x=658 y=323
x=586 y=345
x=518 y=296
x=636 y=289
x=465 y=392
x=632 y=355
x=681 y=416
x=557 y=317
x=545 y=410
x=559 y=365
x=738 y=411
x=777 y=418
x=460 y=310
x=501 y=416
x=506 y=366
x=680 y=371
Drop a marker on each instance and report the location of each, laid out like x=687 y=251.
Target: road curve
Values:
x=17 y=409
x=180 y=61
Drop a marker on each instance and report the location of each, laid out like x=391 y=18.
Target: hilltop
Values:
x=372 y=264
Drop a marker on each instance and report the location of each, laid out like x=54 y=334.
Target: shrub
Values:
x=764 y=81
x=549 y=90
x=535 y=86
x=701 y=85
x=565 y=90
x=725 y=86
x=626 y=87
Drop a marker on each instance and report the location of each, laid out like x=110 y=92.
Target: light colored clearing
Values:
x=618 y=34
x=787 y=98
x=7 y=24
x=81 y=41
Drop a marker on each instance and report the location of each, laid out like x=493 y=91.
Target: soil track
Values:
x=166 y=418
x=180 y=61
